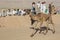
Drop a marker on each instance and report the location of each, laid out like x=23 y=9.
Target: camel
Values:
x=41 y=17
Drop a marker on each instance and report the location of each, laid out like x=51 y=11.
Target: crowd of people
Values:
x=10 y=12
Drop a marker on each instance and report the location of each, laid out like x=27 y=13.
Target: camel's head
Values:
x=54 y=10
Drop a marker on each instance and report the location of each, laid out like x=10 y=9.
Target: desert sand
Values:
x=18 y=28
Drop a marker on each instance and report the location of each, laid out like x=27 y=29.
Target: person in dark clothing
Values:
x=33 y=8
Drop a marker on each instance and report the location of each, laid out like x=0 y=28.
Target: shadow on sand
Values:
x=41 y=30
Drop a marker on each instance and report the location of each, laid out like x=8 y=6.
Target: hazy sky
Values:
x=23 y=3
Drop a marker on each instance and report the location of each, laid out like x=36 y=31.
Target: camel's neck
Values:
x=50 y=9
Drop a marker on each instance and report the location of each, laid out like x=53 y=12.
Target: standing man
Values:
x=38 y=7
x=43 y=7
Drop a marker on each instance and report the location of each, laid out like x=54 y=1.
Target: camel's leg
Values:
x=40 y=31
x=36 y=24
x=41 y=25
x=32 y=21
x=47 y=27
x=53 y=27
x=34 y=33
x=50 y=19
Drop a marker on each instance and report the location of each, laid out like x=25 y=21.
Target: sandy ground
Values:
x=18 y=28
